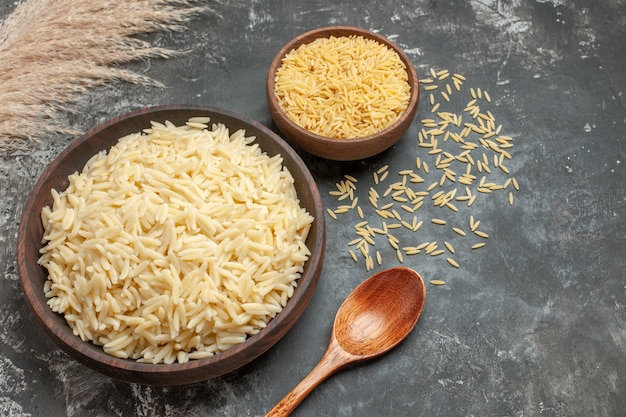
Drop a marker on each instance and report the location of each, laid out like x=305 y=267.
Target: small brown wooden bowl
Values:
x=72 y=159
x=348 y=149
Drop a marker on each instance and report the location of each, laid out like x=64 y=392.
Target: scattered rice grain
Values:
x=452 y=262
x=449 y=246
x=458 y=231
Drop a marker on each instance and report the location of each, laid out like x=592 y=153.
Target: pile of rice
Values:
x=177 y=244
x=343 y=87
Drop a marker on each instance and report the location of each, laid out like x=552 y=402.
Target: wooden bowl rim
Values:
x=328 y=31
x=198 y=369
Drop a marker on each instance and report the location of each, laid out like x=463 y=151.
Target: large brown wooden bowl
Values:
x=348 y=149
x=72 y=159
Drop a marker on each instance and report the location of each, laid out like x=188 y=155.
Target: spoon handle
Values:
x=334 y=359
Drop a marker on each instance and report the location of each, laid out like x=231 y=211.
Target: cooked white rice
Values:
x=177 y=244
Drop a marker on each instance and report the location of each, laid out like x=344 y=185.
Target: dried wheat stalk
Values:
x=51 y=51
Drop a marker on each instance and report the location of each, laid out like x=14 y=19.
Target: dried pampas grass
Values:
x=51 y=51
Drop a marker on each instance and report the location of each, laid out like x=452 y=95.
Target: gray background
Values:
x=531 y=325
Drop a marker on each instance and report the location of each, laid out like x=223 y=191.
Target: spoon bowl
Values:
x=375 y=317
x=380 y=312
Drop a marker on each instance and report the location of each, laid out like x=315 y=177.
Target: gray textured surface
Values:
x=532 y=324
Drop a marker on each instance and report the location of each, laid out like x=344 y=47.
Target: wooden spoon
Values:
x=373 y=319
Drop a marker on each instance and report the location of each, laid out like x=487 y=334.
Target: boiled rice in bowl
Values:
x=182 y=247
